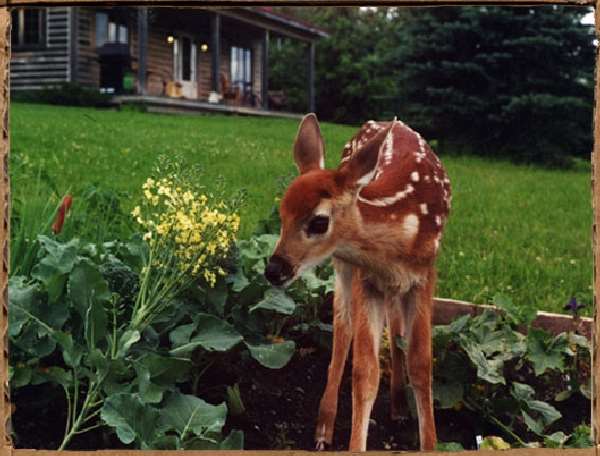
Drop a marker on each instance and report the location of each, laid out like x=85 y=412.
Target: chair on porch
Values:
x=231 y=94
x=277 y=99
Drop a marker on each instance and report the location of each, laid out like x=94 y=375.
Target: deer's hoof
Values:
x=321 y=445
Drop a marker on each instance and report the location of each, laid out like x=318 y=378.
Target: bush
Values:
x=67 y=93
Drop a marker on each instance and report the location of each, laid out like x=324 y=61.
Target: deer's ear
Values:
x=309 y=151
x=360 y=169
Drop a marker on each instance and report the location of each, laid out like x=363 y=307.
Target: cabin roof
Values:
x=267 y=12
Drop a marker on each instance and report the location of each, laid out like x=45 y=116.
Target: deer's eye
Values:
x=317 y=225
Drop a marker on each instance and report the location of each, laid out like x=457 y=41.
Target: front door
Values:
x=184 y=66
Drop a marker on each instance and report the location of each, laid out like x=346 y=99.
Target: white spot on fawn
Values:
x=438 y=220
x=410 y=225
x=388 y=148
x=414 y=176
x=424 y=210
x=389 y=200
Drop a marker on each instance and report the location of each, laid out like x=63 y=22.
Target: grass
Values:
x=522 y=231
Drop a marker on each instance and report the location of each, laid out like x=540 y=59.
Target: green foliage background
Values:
x=494 y=81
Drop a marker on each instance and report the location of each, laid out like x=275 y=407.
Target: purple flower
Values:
x=573 y=306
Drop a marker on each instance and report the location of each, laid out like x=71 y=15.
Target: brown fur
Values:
x=387 y=204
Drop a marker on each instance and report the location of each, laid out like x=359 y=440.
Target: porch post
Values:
x=311 y=77
x=142 y=49
x=265 y=71
x=215 y=46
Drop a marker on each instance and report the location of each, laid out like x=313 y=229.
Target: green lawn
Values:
x=523 y=231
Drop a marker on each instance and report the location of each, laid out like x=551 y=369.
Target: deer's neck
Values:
x=378 y=249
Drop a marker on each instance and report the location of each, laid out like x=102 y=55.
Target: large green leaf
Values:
x=19 y=376
x=273 y=356
x=188 y=415
x=547 y=412
x=71 y=351
x=277 y=301
x=234 y=441
x=448 y=394
x=86 y=284
x=157 y=374
x=128 y=338
x=538 y=415
x=54 y=267
x=522 y=392
x=182 y=334
x=213 y=334
x=21 y=296
x=165 y=370
x=536 y=426
x=488 y=369
x=544 y=351
x=150 y=393
x=25 y=301
x=518 y=314
x=96 y=323
x=217 y=297
x=132 y=419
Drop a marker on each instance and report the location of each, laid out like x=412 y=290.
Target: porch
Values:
x=171 y=105
x=217 y=59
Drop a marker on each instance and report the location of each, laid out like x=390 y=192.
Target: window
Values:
x=28 y=28
x=110 y=30
x=241 y=67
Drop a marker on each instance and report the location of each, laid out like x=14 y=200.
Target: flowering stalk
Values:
x=188 y=237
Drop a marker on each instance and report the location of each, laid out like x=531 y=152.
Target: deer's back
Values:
x=410 y=194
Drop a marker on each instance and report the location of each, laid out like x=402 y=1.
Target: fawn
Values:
x=380 y=215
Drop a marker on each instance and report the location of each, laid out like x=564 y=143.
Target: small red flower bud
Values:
x=61 y=214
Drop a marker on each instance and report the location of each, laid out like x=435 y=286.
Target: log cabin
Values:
x=209 y=55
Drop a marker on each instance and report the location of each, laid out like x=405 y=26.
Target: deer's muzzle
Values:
x=278 y=270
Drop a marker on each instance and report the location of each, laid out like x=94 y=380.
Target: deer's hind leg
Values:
x=342 y=336
x=420 y=307
x=395 y=309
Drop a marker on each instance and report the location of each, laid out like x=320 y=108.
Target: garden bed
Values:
x=281 y=405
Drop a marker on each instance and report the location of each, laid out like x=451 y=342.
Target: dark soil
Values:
x=281 y=411
x=282 y=407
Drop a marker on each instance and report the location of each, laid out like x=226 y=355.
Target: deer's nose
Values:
x=278 y=270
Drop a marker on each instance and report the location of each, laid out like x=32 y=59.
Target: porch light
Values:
x=204 y=47
x=170 y=39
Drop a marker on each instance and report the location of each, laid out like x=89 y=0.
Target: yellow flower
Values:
x=136 y=211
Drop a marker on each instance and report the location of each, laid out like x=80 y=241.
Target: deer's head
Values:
x=317 y=207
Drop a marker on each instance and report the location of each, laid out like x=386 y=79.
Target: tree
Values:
x=351 y=77
x=499 y=80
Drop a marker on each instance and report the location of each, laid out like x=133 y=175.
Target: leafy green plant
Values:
x=110 y=347
x=482 y=363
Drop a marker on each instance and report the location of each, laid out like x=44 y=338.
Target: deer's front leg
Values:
x=342 y=336
x=367 y=320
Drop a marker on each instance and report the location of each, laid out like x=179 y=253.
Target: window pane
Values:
x=123 y=34
x=233 y=64
x=176 y=60
x=32 y=35
x=101 y=29
x=112 y=32
x=193 y=62
x=248 y=66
